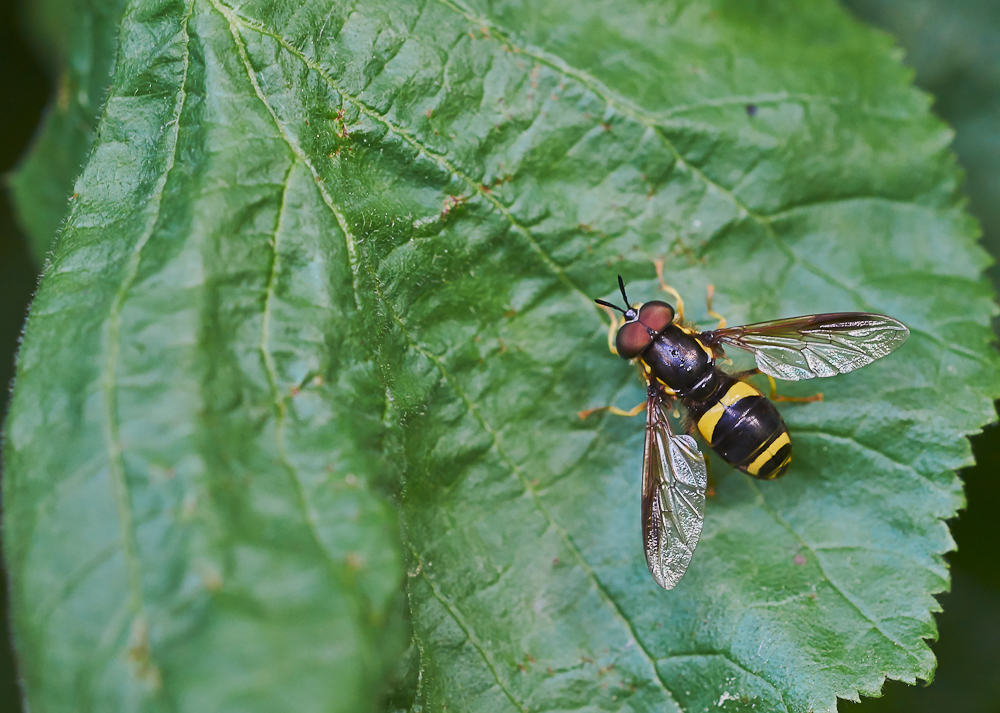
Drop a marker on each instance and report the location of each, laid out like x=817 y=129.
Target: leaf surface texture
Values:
x=320 y=315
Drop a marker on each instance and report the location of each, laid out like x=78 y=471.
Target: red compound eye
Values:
x=632 y=339
x=656 y=315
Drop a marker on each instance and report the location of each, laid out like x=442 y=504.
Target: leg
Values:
x=613 y=409
x=710 y=491
x=711 y=312
x=792 y=399
x=612 y=330
x=679 y=308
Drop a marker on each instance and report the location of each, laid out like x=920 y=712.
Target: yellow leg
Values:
x=679 y=308
x=710 y=491
x=790 y=399
x=613 y=409
x=711 y=312
x=612 y=330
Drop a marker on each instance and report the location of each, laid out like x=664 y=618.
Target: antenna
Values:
x=608 y=304
x=621 y=286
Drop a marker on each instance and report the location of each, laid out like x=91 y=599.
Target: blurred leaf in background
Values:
x=79 y=41
x=327 y=269
x=954 y=46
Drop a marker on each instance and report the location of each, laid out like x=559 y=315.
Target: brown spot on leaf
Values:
x=140 y=655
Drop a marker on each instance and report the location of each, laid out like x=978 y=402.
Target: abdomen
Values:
x=745 y=428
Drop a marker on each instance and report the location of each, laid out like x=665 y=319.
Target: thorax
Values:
x=682 y=363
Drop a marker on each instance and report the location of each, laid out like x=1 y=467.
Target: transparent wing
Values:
x=815 y=345
x=673 y=497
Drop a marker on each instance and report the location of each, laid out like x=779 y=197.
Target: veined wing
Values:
x=674 y=478
x=815 y=345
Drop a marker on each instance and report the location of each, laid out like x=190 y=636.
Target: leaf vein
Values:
x=766 y=506
x=882 y=550
x=790 y=210
x=116 y=460
x=729 y=657
x=280 y=404
x=296 y=150
x=466 y=628
x=853 y=440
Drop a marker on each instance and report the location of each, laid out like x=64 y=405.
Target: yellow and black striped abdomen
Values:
x=744 y=428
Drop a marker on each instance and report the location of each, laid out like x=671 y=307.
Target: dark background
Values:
x=954 y=45
x=24 y=91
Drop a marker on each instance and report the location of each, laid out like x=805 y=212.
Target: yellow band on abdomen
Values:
x=768 y=454
x=710 y=419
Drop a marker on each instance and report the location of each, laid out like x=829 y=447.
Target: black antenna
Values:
x=608 y=304
x=621 y=286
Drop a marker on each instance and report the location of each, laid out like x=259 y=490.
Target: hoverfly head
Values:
x=640 y=325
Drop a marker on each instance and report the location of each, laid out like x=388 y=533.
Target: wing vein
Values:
x=674 y=481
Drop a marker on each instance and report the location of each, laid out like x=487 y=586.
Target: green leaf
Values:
x=194 y=464
x=80 y=41
x=327 y=260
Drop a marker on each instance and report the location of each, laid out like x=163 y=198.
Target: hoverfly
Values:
x=734 y=418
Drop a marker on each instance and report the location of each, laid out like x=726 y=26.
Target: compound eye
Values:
x=656 y=315
x=632 y=339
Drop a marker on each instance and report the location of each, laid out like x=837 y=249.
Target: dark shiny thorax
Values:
x=678 y=360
